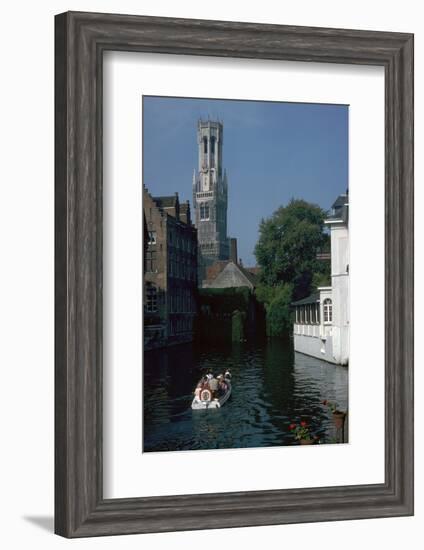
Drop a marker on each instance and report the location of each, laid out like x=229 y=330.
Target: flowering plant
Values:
x=301 y=431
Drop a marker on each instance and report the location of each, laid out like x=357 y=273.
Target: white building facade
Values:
x=321 y=327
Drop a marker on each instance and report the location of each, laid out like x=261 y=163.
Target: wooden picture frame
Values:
x=81 y=39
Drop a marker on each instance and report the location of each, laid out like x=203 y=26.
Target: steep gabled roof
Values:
x=232 y=275
x=248 y=274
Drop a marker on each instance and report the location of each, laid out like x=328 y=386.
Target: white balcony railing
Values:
x=316 y=331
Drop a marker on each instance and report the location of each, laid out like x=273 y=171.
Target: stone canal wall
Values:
x=315 y=347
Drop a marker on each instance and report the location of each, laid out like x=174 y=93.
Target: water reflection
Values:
x=272 y=387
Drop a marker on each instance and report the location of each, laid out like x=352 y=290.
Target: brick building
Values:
x=170 y=271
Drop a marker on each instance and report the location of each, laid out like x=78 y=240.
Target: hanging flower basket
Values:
x=339 y=419
x=338 y=416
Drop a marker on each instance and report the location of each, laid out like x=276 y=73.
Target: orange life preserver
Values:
x=205 y=395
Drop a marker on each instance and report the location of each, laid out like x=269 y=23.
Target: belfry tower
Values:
x=210 y=196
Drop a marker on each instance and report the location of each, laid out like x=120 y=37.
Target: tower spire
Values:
x=210 y=195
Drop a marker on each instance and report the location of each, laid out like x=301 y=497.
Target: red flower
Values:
x=303 y=424
x=292 y=426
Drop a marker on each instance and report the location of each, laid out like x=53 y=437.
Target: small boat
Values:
x=205 y=398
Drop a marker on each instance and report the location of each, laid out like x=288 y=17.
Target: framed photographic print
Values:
x=234 y=274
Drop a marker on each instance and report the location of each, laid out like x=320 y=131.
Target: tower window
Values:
x=205 y=145
x=213 y=140
x=204 y=211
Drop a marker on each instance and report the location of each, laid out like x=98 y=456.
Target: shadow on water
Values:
x=272 y=387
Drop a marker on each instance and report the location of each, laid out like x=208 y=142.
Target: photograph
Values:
x=199 y=199
x=246 y=273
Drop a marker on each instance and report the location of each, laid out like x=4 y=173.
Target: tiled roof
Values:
x=340 y=209
x=166 y=202
x=340 y=201
x=312 y=299
x=215 y=269
x=253 y=270
x=249 y=275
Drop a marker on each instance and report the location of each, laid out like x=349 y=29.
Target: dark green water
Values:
x=272 y=387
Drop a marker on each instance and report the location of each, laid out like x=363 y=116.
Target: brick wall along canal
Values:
x=272 y=387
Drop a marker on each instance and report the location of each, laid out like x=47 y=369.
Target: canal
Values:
x=272 y=387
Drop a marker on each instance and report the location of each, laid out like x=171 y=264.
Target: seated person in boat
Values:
x=213 y=386
x=222 y=384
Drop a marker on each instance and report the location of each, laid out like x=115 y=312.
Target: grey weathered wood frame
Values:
x=81 y=39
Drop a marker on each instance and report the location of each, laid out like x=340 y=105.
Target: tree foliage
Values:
x=288 y=244
x=321 y=279
x=278 y=318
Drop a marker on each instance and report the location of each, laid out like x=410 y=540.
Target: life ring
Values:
x=205 y=395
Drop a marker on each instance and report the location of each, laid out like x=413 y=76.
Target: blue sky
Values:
x=272 y=152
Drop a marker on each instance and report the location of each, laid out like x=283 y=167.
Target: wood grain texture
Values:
x=81 y=39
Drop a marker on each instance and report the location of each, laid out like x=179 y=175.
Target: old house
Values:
x=170 y=278
x=321 y=326
x=227 y=274
x=228 y=306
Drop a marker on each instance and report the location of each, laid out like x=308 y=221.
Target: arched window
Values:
x=151 y=298
x=213 y=140
x=328 y=310
x=205 y=145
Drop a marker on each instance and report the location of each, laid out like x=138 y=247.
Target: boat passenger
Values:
x=213 y=386
x=227 y=373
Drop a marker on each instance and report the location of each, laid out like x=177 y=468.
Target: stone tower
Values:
x=210 y=190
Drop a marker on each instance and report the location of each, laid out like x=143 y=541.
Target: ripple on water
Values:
x=272 y=387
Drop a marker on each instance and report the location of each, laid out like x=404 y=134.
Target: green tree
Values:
x=288 y=244
x=278 y=316
x=323 y=278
